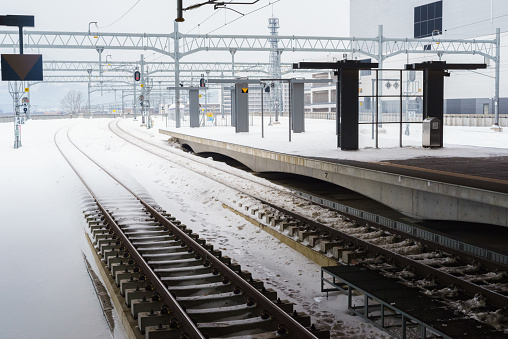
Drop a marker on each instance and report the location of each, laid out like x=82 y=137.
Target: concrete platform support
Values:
x=415 y=197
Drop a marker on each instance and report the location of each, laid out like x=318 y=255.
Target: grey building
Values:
x=466 y=92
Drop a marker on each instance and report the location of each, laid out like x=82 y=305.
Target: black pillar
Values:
x=349 y=109
x=433 y=95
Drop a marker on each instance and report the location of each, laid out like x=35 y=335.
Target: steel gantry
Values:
x=193 y=43
x=178 y=45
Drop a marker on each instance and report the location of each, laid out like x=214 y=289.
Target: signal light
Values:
x=202 y=82
x=137 y=76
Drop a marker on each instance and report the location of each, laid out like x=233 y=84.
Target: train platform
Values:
x=459 y=191
x=471 y=156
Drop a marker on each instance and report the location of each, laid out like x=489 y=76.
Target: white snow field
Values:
x=47 y=291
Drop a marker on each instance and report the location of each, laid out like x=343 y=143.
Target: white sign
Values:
x=20 y=120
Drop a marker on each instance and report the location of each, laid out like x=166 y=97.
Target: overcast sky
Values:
x=297 y=17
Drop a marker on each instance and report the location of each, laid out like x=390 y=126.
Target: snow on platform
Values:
x=319 y=140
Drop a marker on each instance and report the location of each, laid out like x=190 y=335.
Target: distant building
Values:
x=465 y=91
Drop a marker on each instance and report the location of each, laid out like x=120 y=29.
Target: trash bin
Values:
x=431 y=132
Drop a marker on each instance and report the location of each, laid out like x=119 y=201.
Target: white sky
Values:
x=297 y=17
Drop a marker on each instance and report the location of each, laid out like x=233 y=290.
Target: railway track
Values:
x=476 y=287
x=174 y=283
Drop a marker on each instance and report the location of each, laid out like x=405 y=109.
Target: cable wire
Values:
x=243 y=16
x=122 y=15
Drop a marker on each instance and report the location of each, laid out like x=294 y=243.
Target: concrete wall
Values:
x=415 y=197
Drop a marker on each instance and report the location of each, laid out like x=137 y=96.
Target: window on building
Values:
x=428 y=20
x=320 y=97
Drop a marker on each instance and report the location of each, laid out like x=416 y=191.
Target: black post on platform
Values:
x=347 y=104
x=433 y=86
x=349 y=108
x=433 y=95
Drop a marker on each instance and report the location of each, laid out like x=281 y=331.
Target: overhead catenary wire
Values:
x=243 y=16
x=130 y=9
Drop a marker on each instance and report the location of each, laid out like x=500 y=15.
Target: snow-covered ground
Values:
x=47 y=291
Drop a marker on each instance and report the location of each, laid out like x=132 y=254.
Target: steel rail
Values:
x=281 y=316
x=493 y=298
x=180 y=313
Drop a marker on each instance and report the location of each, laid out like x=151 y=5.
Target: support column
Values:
x=298 y=107
x=100 y=50
x=194 y=107
x=177 y=75
x=233 y=106
x=242 y=107
x=349 y=109
x=143 y=91
x=232 y=51
x=497 y=127
x=135 y=100
x=89 y=84
x=433 y=95
x=379 y=84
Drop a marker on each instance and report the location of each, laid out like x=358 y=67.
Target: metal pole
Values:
x=89 y=84
x=160 y=99
x=143 y=89
x=338 y=109
x=380 y=62
x=233 y=51
x=177 y=75
x=400 y=103
x=377 y=108
x=262 y=113
x=29 y=102
x=100 y=50
x=20 y=39
x=498 y=66
x=290 y=107
x=372 y=108
x=13 y=88
x=135 y=104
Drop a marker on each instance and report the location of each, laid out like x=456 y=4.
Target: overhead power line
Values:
x=130 y=9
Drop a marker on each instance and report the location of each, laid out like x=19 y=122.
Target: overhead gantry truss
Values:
x=161 y=67
x=177 y=45
x=192 y=43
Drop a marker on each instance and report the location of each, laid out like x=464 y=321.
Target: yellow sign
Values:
x=141 y=85
x=361 y=103
x=114 y=110
x=27 y=89
x=209 y=114
x=200 y=95
x=245 y=90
